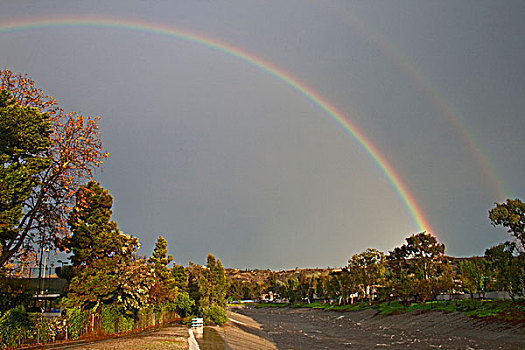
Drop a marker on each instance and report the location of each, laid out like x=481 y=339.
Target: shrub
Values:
x=77 y=320
x=125 y=323
x=43 y=329
x=214 y=315
x=108 y=318
x=15 y=326
x=188 y=319
x=184 y=304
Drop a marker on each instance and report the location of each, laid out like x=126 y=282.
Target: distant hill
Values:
x=282 y=275
x=258 y=275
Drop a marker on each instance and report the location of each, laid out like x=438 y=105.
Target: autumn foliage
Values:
x=75 y=152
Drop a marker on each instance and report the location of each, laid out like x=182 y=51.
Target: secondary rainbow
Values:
x=450 y=113
x=260 y=63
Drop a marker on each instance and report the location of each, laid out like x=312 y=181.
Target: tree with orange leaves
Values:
x=69 y=153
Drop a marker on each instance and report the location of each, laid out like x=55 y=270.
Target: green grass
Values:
x=503 y=310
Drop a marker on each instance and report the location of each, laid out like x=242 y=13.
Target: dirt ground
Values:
x=317 y=329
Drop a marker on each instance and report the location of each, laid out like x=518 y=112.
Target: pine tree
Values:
x=217 y=281
x=160 y=259
x=94 y=235
x=105 y=272
x=165 y=289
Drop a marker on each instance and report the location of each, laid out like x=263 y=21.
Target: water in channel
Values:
x=211 y=340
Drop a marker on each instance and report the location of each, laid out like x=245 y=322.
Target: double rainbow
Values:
x=258 y=62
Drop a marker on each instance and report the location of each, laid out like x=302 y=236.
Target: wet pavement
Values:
x=211 y=340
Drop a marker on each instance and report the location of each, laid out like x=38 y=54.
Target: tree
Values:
x=54 y=153
x=425 y=251
x=184 y=304
x=112 y=280
x=446 y=281
x=180 y=276
x=217 y=281
x=105 y=272
x=418 y=263
x=340 y=285
x=510 y=214
x=472 y=273
x=207 y=286
x=369 y=269
x=164 y=289
x=397 y=274
x=198 y=286
x=305 y=287
x=234 y=290
x=508 y=268
x=93 y=235
x=24 y=154
x=160 y=259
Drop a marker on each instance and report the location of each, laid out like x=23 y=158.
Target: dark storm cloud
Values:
x=219 y=156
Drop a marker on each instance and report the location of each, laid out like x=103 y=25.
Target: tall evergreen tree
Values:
x=217 y=281
x=160 y=258
x=180 y=275
x=94 y=235
x=105 y=272
x=164 y=289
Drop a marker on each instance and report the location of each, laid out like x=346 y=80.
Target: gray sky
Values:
x=219 y=156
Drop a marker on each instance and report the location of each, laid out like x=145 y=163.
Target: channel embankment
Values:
x=290 y=328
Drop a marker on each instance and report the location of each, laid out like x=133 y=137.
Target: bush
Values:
x=184 y=304
x=47 y=329
x=214 y=315
x=125 y=323
x=43 y=329
x=77 y=320
x=187 y=320
x=108 y=318
x=15 y=326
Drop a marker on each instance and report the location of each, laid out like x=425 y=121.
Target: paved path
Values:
x=172 y=337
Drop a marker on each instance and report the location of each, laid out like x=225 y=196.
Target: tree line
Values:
x=106 y=270
x=417 y=270
x=48 y=199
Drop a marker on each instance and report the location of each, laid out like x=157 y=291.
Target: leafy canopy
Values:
x=46 y=154
x=24 y=154
x=510 y=214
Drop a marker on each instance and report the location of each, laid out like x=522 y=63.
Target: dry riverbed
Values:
x=250 y=328
x=314 y=329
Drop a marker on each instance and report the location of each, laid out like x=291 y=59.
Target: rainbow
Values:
x=258 y=62
x=451 y=114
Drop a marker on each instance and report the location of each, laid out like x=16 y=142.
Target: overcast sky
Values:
x=218 y=156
